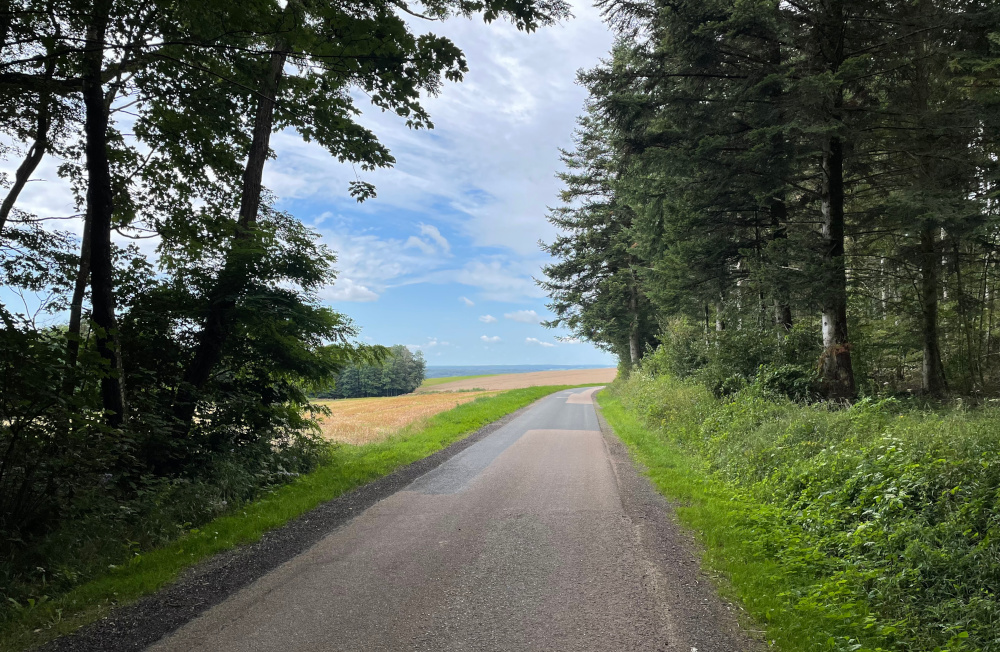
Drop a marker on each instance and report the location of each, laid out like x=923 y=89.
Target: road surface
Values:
x=541 y=536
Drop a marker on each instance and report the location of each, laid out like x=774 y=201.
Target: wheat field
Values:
x=531 y=379
x=368 y=420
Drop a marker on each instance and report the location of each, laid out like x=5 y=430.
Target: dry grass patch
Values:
x=367 y=420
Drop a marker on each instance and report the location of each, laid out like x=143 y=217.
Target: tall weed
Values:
x=887 y=515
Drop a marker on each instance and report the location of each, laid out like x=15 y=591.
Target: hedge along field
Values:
x=874 y=527
x=29 y=622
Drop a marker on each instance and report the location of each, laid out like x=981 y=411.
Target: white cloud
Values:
x=524 y=316
x=490 y=340
x=493 y=190
x=467 y=301
x=437 y=245
x=431 y=343
x=488 y=319
x=535 y=340
x=416 y=243
x=435 y=235
x=498 y=280
x=346 y=289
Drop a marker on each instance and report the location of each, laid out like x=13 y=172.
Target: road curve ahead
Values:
x=534 y=538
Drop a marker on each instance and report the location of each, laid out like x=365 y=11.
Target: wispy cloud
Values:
x=431 y=343
x=535 y=340
x=434 y=234
x=467 y=301
x=490 y=340
x=524 y=316
x=346 y=289
x=488 y=319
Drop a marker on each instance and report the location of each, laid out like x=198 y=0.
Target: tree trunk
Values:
x=35 y=152
x=836 y=369
x=239 y=262
x=633 y=335
x=933 y=381
x=6 y=18
x=76 y=309
x=100 y=208
x=782 y=307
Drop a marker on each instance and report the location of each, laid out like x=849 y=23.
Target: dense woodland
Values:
x=400 y=372
x=802 y=191
x=174 y=383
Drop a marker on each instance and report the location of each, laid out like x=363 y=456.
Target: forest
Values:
x=160 y=343
x=400 y=372
x=782 y=217
x=799 y=192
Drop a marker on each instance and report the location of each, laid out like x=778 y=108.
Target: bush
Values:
x=728 y=361
x=887 y=514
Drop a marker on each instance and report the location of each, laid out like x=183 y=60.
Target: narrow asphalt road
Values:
x=541 y=536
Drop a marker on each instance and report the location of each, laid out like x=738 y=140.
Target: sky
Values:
x=443 y=259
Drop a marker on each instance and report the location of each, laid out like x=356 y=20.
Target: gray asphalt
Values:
x=540 y=536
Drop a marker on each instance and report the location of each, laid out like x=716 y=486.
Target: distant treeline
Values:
x=401 y=373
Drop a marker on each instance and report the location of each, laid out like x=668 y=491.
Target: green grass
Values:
x=346 y=468
x=725 y=524
x=431 y=382
x=862 y=529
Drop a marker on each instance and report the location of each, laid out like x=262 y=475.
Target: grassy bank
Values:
x=345 y=467
x=861 y=529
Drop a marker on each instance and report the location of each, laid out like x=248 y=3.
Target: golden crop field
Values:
x=517 y=381
x=367 y=420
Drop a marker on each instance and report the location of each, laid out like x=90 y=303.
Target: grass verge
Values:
x=862 y=529
x=725 y=525
x=347 y=467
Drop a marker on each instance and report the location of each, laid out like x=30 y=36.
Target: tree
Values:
x=595 y=287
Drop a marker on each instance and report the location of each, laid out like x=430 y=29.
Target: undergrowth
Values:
x=129 y=571
x=874 y=527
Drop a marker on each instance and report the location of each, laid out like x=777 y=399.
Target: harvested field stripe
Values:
x=367 y=420
x=501 y=382
x=430 y=382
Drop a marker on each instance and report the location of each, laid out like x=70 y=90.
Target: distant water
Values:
x=481 y=370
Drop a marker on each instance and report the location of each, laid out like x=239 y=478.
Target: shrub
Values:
x=888 y=514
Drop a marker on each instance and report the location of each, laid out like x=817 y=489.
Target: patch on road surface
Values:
x=585 y=397
x=455 y=475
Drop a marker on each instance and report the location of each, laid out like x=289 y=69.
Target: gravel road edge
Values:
x=135 y=626
x=697 y=618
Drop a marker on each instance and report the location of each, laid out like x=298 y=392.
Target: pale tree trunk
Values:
x=101 y=209
x=35 y=153
x=633 y=336
x=836 y=369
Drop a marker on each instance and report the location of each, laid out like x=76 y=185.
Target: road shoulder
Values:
x=135 y=626
x=697 y=617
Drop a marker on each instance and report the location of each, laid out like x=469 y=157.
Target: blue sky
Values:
x=443 y=260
